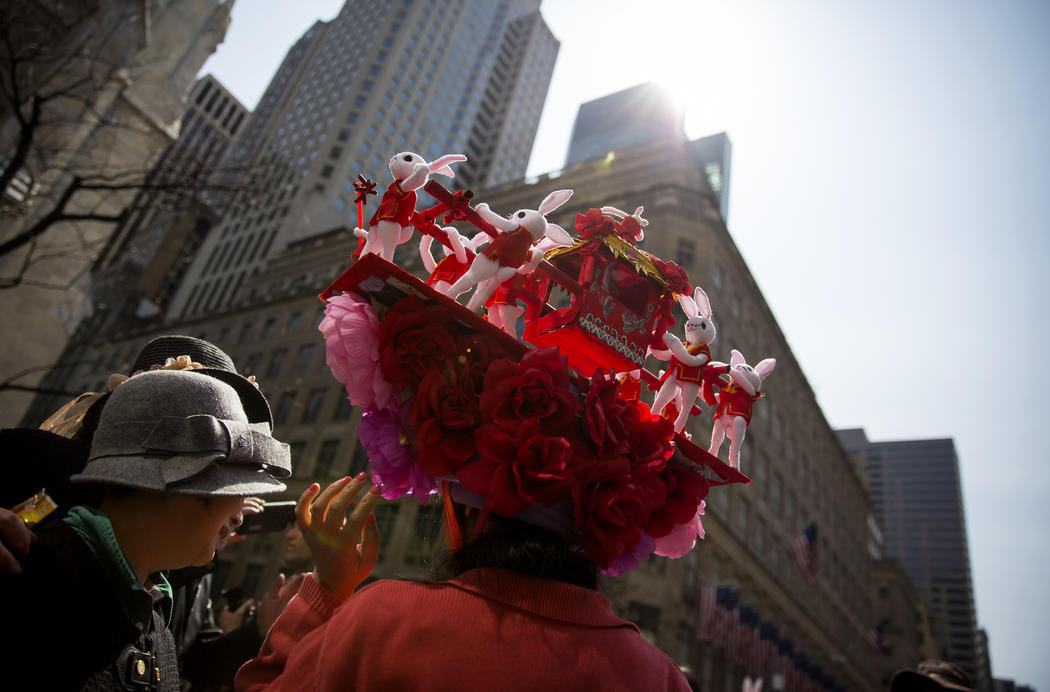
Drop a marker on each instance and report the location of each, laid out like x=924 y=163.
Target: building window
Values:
x=343 y=409
x=295 y=452
x=335 y=152
x=276 y=361
x=326 y=171
x=359 y=462
x=251 y=364
x=302 y=361
x=293 y=322
x=284 y=408
x=267 y=330
x=685 y=254
x=313 y=405
x=325 y=457
x=344 y=135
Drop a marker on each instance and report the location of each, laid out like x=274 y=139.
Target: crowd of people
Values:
x=113 y=589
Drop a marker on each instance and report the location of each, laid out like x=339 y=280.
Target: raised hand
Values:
x=345 y=547
x=274 y=602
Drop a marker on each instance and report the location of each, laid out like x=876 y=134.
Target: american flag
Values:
x=766 y=649
x=805 y=549
x=799 y=673
x=725 y=621
x=744 y=644
x=816 y=678
x=706 y=614
x=874 y=639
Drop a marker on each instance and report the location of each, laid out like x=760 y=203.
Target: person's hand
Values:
x=228 y=620
x=341 y=561
x=14 y=536
x=272 y=605
x=252 y=505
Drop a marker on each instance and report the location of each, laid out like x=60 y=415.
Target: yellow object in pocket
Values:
x=33 y=510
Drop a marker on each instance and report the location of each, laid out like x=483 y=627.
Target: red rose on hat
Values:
x=685 y=488
x=413 y=340
x=518 y=468
x=610 y=512
x=650 y=442
x=674 y=276
x=593 y=224
x=474 y=354
x=608 y=419
x=536 y=387
x=445 y=414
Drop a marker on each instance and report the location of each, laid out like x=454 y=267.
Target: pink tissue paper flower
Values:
x=351 y=335
x=682 y=537
x=385 y=435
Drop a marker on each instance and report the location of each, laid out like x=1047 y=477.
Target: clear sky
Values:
x=890 y=191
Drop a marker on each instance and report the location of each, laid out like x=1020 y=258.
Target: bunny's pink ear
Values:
x=441 y=164
x=736 y=358
x=765 y=367
x=703 y=305
x=558 y=235
x=688 y=306
x=554 y=200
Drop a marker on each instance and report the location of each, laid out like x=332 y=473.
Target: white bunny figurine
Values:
x=512 y=249
x=391 y=225
x=637 y=216
x=752 y=685
x=460 y=244
x=734 y=404
x=503 y=309
x=685 y=373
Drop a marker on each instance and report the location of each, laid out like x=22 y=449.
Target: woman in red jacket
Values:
x=521 y=611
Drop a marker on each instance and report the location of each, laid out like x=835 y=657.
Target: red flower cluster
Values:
x=525 y=432
x=595 y=224
x=674 y=276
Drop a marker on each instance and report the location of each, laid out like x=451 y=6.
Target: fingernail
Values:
x=344 y=480
x=314 y=486
x=376 y=489
x=361 y=476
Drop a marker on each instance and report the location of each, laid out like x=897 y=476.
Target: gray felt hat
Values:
x=183 y=432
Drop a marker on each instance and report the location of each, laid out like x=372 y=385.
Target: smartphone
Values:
x=276 y=516
x=234 y=597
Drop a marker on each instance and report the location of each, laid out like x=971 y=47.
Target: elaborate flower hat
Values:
x=544 y=429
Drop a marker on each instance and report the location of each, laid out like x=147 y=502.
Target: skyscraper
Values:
x=148 y=253
x=643 y=114
x=625 y=119
x=916 y=493
x=379 y=77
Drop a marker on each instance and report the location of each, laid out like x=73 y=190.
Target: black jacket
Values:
x=65 y=626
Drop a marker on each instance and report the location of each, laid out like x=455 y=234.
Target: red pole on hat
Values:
x=363 y=187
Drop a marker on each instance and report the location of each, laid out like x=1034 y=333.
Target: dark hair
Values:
x=524 y=549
